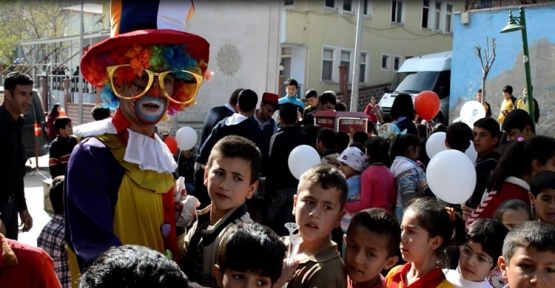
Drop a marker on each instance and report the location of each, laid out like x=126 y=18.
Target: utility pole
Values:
x=356 y=66
x=80 y=85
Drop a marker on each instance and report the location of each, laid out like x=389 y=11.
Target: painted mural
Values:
x=508 y=68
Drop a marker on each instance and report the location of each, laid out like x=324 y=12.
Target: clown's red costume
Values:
x=120 y=187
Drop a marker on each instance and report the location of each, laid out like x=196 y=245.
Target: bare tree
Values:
x=486 y=61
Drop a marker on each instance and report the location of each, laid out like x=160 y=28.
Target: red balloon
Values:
x=427 y=105
x=171 y=143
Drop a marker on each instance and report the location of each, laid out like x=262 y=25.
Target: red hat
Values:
x=270 y=98
x=145 y=34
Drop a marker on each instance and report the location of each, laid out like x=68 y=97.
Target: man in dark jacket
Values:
x=218 y=113
x=281 y=185
x=18 y=93
x=240 y=124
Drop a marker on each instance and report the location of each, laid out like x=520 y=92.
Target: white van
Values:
x=427 y=72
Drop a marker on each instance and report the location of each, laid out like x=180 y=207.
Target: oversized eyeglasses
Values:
x=127 y=84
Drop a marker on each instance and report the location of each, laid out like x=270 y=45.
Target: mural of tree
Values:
x=487 y=57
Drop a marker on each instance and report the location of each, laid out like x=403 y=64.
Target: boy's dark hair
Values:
x=529 y=234
x=16 y=78
x=357 y=145
x=327 y=177
x=379 y=221
x=292 y=82
x=360 y=137
x=458 y=136
x=371 y=127
x=327 y=137
x=377 y=149
x=342 y=141
x=237 y=147
x=288 y=113
x=479 y=90
x=312 y=131
x=311 y=93
x=328 y=97
x=508 y=88
x=340 y=106
x=518 y=119
x=234 y=96
x=247 y=100
x=56 y=194
x=490 y=233
x=542 y=181
x=251 y=247
x=511 y=204
x=99 y=112
x=61 y=123
x=402 y=143
x=439 y=127
x=402 y=106
x=133 y=266
x=489 y=124
x=436 y=220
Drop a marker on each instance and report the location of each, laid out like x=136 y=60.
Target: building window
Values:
x=362 y=74
x=347 y=5
x=448 y=17
x=289 y=2
x=385 y=61
x=397 y=11
x=330 y=3
x=327 y=64
x=437 y=16
x=366 y=8
x=346 y=61
x=397 y=61
x=425 y=14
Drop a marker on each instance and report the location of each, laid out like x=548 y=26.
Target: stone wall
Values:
x=365 y=93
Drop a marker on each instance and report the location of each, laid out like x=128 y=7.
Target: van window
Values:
x=443 y=84
x=416 y=82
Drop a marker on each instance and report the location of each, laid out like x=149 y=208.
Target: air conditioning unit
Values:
x=465 y=18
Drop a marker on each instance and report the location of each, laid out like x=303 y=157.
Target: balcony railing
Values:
x=487 y=4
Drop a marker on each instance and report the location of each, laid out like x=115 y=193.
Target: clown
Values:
x=120 y=187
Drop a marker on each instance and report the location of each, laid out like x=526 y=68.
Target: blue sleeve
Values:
x=92 y=184
x=407 y=185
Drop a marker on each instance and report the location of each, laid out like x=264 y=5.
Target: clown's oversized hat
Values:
x=144 y=34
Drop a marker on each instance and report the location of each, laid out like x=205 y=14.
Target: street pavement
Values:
x=34 y=194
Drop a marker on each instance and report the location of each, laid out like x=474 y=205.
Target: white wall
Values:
x=250 y=27
x=298 y=64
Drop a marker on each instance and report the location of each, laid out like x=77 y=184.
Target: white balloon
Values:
x=301 y=159
x=472 y=111
x=451 y=176
x=471 y=152
x=186 y=138
x=435 y=144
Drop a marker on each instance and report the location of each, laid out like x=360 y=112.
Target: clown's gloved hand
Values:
x=185 y=210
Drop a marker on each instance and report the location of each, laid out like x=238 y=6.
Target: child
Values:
x=61 y=147
x=512 y=212
x=351 y=162
x=458 y=136
x=372 y=245
x=510 y=180
x=407 y=173
x=542 y=196
x=529 y=256
x=51 y=238
x=133 y=266
x=484 y=241
x=231 y=176
x=311 y=97
x=426 y=230
x=250 y=255
x=318 y=208
x=325 y=144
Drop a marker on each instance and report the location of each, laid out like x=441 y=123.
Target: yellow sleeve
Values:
x=390 y=273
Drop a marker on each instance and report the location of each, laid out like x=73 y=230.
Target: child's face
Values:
x=548 y=166
x=317 y=211
x=544 y=204
x=291 y=90
x=483 y=142
x=416 y=244
x=67 y=131
x=475 y=264
x=313 y=101
x=347 y=170
x=228 y=182
x=511 y=218
x=529 y=268
x=366 y=255
x=236 y=279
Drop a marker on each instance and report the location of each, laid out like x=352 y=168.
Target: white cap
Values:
x=353 y=157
